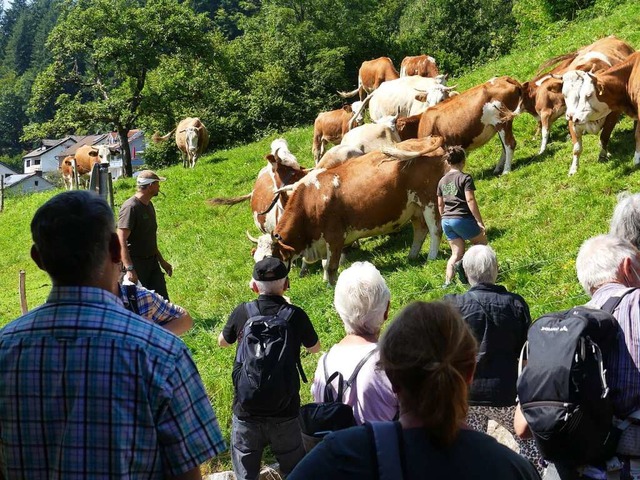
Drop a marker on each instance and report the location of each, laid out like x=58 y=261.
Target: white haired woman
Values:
x=362 y=302
x=625 y=222
x=499 y=321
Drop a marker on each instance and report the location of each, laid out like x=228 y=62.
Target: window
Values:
x=36 y=162
x=36 y=183
x=28 y=163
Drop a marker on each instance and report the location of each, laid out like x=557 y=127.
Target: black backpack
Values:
x=318 y=419
x=268 y=362
x=563 y=391
x=132 y=298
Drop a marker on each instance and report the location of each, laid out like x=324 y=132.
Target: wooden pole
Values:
x=74 y=169
x=23 y=293
x=1 y=192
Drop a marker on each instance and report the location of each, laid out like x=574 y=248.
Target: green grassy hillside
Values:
x=536 y=216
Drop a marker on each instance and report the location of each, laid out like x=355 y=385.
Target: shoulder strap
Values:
x=613 y=302
x=482 y=348
x=132 y=298
x=361 y=363
x=387 y=437
x=252 y=309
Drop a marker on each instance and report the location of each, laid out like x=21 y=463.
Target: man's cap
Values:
x=147 y=177
x=269 y=269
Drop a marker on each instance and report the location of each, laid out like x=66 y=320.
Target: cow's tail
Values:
x=157 y=138
x=554 y=61
x=504 y=114
x=350 y=94
x=229 y=201
x=403 y=155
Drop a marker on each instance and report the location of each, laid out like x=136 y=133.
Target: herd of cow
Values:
x=382 y=175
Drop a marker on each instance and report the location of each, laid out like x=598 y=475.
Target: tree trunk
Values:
x=125 y=150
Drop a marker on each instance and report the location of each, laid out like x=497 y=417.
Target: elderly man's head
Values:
x=73 y=237
x=480 y=264
x=606 y=259
x=625 y=222
x=270 y=276
x=362 y=299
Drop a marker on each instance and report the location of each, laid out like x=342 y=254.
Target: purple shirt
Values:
x=623 y=364
x=371 y=395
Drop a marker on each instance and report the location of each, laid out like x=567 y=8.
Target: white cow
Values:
x=398 y=97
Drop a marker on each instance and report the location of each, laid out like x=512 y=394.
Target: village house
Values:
x=5 y=170
x=45 y=158
x=21 y=183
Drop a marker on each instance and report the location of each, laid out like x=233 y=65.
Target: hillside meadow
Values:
x=536 y=216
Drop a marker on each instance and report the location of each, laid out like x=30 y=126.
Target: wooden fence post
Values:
x=1 y=192
x=22 y=292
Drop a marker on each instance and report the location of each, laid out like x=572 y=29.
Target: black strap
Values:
x=612 y=303
x=482 y=348
x=132 y=298
x=342 y=386
x=388 y=444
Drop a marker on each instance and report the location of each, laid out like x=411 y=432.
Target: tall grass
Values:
x=537 y=217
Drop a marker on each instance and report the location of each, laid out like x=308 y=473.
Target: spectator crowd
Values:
x=95 y=383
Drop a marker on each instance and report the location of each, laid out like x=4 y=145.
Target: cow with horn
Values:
x=192 y=139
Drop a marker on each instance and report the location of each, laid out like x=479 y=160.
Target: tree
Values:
x=102 y=54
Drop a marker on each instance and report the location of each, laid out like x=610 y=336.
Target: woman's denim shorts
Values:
x=465 y=228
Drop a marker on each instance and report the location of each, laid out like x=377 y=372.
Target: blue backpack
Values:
x=266 y=380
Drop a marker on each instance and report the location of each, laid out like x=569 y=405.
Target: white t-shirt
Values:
x=370 y=396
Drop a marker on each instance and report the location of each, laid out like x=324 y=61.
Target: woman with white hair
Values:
x=362 y=301
x=625 y=222
x=499 y=321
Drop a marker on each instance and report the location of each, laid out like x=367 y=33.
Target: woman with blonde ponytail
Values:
x=429 y=355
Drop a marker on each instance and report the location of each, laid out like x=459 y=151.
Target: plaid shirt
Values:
x=90 y=390
x=623 y=364
x=153 y=306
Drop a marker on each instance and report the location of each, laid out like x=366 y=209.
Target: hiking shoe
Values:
x=462 y=276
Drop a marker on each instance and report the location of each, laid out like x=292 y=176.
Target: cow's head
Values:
x=280 y=249
x=280 y=154
x=263 y=248
x=581 y=92
x=103 y=152
x=388 y=121
x=435 y=94
x=191 y=137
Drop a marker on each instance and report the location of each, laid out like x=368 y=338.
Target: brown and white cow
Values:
x=371 y=75
x=86 y=156
x=282 y=169
x=542 y=97
x=192 y=139
x=473 y=117
x=423 y=65
x=330 y=127
x=596 y=102
x=327 y=209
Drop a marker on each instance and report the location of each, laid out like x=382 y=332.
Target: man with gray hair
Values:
x=275 y=421
x=362 y=301
x=625 y=222
x=89 y=389
x=499 y=321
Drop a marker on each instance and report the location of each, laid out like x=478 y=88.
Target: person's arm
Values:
x=441 y=205
x=193 y=474
x=166 y=266
x=180 y=325
x=520 y=425
x=315 y=348
x=123 y=236
x=473 y=206
x=168 y=315
x=222 y=342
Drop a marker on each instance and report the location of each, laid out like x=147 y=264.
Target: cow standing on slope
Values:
x=86 y=157
x=423 y=65
x=328 y=209
x=472 y=118
x=371 y=75
x=330 y=127
x=192 y=139
x=594 y=101
x=542 y=97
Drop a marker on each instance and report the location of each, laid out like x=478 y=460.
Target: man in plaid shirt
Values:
x=90 y=390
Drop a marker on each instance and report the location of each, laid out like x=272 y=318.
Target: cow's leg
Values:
x=420 y=232
x=505 y=133
x=304 y=269
x=576 y=138
x=636 y=155
x=431 y=216
x=544 y=130
x=334 y=253
x=605 y=134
